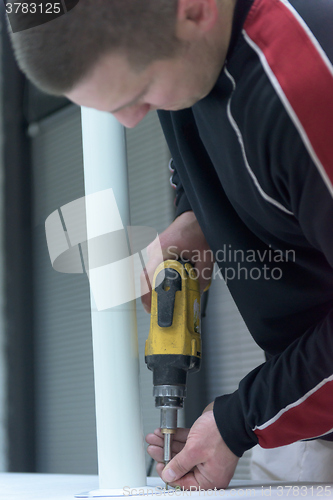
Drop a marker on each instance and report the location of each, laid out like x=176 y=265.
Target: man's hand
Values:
x=200 y=456
x=184 y=238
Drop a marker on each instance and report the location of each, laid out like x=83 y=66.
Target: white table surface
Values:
x=44 y=486
x=65 y=487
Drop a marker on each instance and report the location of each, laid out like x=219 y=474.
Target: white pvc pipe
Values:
x=121 y=459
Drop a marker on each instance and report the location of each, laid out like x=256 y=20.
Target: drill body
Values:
x=173 y=347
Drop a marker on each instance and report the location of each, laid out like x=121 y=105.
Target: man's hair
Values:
x=57 y=55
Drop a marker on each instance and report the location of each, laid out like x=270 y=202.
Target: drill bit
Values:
x=167 y=450
x=167 y=447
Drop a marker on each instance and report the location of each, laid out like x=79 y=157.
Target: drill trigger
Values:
x=166 y=293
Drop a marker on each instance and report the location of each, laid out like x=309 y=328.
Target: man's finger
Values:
x=176 y=448
x=181 y=464
x=187 y=482
x=157 y=452
x=178 y=439
x=180 y=434
x=155 y=440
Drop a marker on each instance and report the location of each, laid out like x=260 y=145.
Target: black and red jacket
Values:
x=254 y=160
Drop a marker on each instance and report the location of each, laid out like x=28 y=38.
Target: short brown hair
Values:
x=59 y=54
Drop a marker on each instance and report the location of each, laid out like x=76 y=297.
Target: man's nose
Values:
x=131 y=116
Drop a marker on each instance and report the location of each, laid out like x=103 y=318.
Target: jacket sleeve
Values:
x=287 y=399
x=181 y=202
x=290 y=397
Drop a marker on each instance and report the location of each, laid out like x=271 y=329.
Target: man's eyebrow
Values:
x=130 y=103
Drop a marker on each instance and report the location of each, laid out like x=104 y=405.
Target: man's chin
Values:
x=180 y=106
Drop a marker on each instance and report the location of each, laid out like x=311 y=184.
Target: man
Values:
x=245 y=93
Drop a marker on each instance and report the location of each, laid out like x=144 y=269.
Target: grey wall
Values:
x=3 y=361
x=65 y=418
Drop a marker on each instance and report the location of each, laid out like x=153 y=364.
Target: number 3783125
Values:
x=33 y=8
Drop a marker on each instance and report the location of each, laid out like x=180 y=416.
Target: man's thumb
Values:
x=178 y=466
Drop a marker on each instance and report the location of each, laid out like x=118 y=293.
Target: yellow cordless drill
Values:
x=173 y=347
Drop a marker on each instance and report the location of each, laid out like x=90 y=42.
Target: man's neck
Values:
x=223 y=29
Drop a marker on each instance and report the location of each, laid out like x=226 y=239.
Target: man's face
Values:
x=171 y=84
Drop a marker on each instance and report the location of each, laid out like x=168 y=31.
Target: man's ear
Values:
x=195 y=18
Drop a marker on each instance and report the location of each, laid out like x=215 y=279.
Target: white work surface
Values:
x=65 y=487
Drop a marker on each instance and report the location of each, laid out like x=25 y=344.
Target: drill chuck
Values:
x=169 y=399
